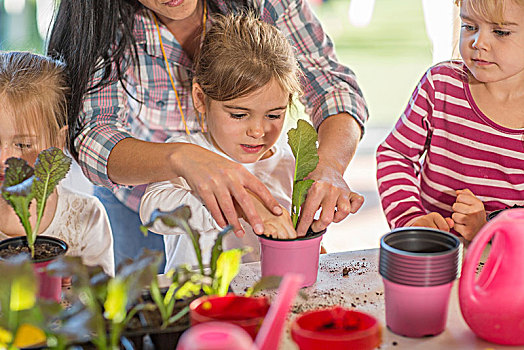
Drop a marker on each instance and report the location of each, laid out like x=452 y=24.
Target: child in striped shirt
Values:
x=457 y=152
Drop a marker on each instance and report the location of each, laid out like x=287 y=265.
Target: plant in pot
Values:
x=22 y=186
x=299 y=255
x=104 y=308
x=212 y=282
x=22 y=320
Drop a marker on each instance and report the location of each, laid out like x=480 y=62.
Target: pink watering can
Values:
x=493 y=304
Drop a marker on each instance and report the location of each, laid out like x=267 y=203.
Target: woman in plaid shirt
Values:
x=124 y=105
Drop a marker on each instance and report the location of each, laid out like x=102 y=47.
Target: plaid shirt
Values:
x=110 y=114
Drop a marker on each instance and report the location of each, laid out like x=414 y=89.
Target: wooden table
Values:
x=351 y=279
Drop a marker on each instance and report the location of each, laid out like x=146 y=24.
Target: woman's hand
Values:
x=220 y=183
x=433 y=220
x=331 y=193
x=469 y=214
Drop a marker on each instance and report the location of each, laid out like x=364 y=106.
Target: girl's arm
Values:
x=335 y=104
x=167 y=196
x=398 y=158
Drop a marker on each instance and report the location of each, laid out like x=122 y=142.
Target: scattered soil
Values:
x=43 y=250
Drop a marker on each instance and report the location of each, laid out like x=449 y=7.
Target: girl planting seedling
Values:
x=245 y=78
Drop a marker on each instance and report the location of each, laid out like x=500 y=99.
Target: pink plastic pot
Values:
x=414 y=311
x=336 y=328
x=299 y=256
x=246 y=312
x=215 y=336
x=49 y=287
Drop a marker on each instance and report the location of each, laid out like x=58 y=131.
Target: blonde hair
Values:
x=241 y=54
x=34 y=89
x=490 y=10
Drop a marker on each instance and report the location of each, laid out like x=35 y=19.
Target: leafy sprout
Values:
x=22 y=184
x=102 y=300
x=303 y=142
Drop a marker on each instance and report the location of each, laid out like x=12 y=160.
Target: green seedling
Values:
x=303 y=142
x=105 y=305
x=22 y=184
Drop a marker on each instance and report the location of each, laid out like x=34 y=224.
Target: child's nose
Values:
x=5 y=153
x=480 y=41
x=256 y=130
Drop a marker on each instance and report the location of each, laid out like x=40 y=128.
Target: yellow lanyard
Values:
x=204 y=18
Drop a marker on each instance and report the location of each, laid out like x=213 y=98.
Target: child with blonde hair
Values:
x=457 y=152
x=245 y=77
x=33 y=117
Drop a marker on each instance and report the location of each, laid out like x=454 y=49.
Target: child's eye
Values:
x=238 y=116
x=274 y=116
x=500 y=32
x=468 y=27
x=23 y=146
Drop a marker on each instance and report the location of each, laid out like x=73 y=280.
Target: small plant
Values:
x=223 y=265
x=105 y=305
x=22 y=184
x=22 y=320
x=303 y=142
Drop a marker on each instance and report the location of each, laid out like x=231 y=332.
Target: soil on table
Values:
x=43 y=250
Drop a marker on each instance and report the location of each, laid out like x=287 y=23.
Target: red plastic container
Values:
x=336 y=328
x=246 y=312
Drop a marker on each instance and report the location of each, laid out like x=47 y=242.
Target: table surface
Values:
x=362 y=289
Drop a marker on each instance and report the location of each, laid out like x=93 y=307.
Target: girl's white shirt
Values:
x=81 y=221
x=275 y=172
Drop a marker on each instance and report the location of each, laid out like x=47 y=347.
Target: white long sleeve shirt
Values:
x=276 y=172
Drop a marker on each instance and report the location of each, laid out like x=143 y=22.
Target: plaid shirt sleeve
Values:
x=329 y=87
x=103 y=121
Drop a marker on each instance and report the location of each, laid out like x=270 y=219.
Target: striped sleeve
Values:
x=103 y=125
x=399 y=158
x=329 y=87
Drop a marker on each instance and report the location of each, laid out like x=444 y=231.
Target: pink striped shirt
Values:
x=442 y=143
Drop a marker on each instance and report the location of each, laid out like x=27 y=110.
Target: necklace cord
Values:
x=201 y=119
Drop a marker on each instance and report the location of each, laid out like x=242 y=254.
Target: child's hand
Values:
x=278 y=226
x=433 y=220
x=469 y=214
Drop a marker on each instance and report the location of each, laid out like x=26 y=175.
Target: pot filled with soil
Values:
x=246 y=312
x=300 y=255
x=47 y=249
x=336 y=328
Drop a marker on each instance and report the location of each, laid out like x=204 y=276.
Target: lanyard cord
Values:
x=204 y=17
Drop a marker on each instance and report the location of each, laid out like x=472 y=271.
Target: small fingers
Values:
x=261 y=191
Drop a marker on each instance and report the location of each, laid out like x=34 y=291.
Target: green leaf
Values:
x=300 y=190
x=115 y=304
x=228 y=266
x=23 y=293
x=17 y=171
x=217 y=248
x=264 y=283
x=51 y=166
x=303 y=141
x=179 y=217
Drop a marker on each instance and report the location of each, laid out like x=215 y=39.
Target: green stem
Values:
x=196 y=245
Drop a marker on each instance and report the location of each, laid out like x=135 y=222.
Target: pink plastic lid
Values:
x=215 y=336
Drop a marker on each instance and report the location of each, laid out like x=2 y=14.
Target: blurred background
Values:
x=389 y=44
